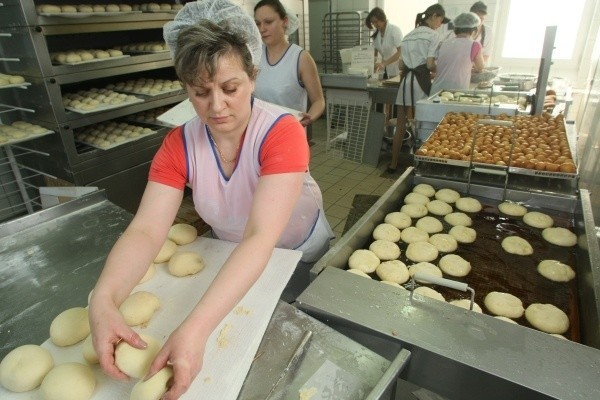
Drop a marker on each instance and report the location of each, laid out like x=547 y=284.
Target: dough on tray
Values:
x=547 y=318
x=555 y=271
x=463 y=234
x=416 y=198
x=512 y=209
x=444 y=242
x=447 y=195
x=166 y=251
x=139 y=307
x=153 y=388
x=454 y=265
x=399 y=219
x=504 y=304
x=439 y=207
x=429 y=224
x=88 y=351
x=424 y=189
x=501 y=318
x=363 y=260
x=182 y=233
x=429 y=292
x=149 y=273
x=421 y=251
x=468 y=204
x=560 y=236
x=393 y=271
x=70 y=326
x=466 y=304
x=426 y=268
x=538 y=220
x=136 y=362
x=517 y=245
x=24 y=367
x=458 y=219
x=70 y=380
x=185 y=263
x=385 y=250
x=414 y=210
x=386 y=232
x=413 y=235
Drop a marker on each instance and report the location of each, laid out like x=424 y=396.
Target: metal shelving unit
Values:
x=342 y=30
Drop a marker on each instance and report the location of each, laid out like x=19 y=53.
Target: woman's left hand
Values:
x=306 y=119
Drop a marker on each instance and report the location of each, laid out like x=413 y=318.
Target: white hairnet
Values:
x=293 y=22
x=467 y=20
x=216 y=11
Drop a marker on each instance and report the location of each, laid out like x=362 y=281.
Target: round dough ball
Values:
x=538 y=220
x=68 y=9
x=185 y=263
x=24 y=368
x=385 y=250
x=138 y=308
x=88 y=351
x=358 y=272
x=504 y=304
x=463 y=234
x=414 y=210
x=149 y=273
x=182 y=234
x=416 y=198
x=114 y=52
x=517 y=245
x=458 y=219
x=112 y=8
x=154 y=388
x=399 y=219
x=426 y=268
x=413 y=235
x=512 y=209
x=447 y=195
x=501 y=318
x=125 y=7
x=393 y=271
x=454 y=265
x=468 y=204
x=444 y=242
x=424 y=189
x=136 y=362
x=555 y=271
x=438 y=207
x=547 y=318
x=73 y=58
x=70 y=326
x=166 y=252
x=560 y=237
x=386 y=232
x=69 y=381
x=466 y=304
x=363 y=260
x=429 y=224
x=429 y=292
x=421 y=251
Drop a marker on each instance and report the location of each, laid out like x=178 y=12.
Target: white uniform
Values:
x=454 y=64
x=387 y=44
x=224 y=203
x=280 y=83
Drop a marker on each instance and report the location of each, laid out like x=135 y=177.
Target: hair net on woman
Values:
x=216 y=11
x=293 y=22
x=467 y=20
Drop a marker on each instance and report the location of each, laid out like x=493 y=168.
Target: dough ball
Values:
x=363 y=260
x=88 y=351
x=538 y=220
x=394 y=284
x=421 y=251
x=560 y=237
x=112 y=8
x=138 y=308
x=24 y=368
x=517 y=245
x=166 y=252
x=399 y=219
x=468 y=204
x=114 y=53
x=136 y=362
x=358 y=272
x=504 y=304
x=85 y=8
x=413 y=235
x=125 y=7
x=512 y=209
x=414 y=210
x=386 y=232
x=454 y=265
x=149 y=273
x=429 y=225
x=426 y=268
x=416 y=198
x=439 y=207
x=182 y=234
x=444 y=242
x=463 y=234
x=424 y=189
x=447 y=195
x=466 y=304
x=429 y=292
x=458 y=219
x=385 y=250
x=555 y=271
x=393 y=271
x=68 y=9
x=547 y=318
x=154 y=388
x=185 y=263
x=501 y=318
x=50 y=9
x=69 y=381
x=70 y=326
x=73 y=58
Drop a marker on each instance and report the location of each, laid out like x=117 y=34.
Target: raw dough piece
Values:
x=88 y=351
x=136 y=362
x=24 y=368
x=112 y=8
x=429 y=292
x=447 y=195
x=68 y=9
x=504 y=304
x=414 y=210
x=154 y=388
x=394 y=271
x=538 y=220
x=454 y=265
x=138 y=308
x=517 y=245
x=458 y=219
x=429 y=224
x=363 y=260
x=560 y=237
x=358 y=272
x=416 y=198
x=501 y=318
x=385 y=250
x=468 y=204
x=125 y=7
x=14 y=79
x=394 y=284
x=463 y=234
x=444 y=242
x=413 y=235
x=424 y=189
x=425 y=267
x=399 y=219
x=50 y=9
x=182 y=234
x=386 y=232
x=547 y=318
x=185 y=263
x=69 y=381
x=421 y=251
x=149 y=273
x=167 y=250
x=555 y=271
x=439 y=207
x=70 y=326
x=466 y=304
x=512 y=209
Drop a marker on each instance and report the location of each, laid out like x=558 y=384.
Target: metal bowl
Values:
x=486 y=75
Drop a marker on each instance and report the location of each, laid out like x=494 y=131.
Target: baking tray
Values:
x=150 y=94
x=95 y=60
x=29 y=136
x=112 y=146
x=104 y=107
x=16 y=85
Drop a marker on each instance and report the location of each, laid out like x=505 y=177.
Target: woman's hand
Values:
x=379 y=66
x=305 y=119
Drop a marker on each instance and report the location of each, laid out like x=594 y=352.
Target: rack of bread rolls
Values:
x=107 y=135
x=20 y=131
x=82 y=56
x=8 y=81
x=94 y=100
x=84 y=10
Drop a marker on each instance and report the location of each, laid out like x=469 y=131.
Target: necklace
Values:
x=226 y=161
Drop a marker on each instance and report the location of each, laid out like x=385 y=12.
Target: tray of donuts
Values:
x=519 y=259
